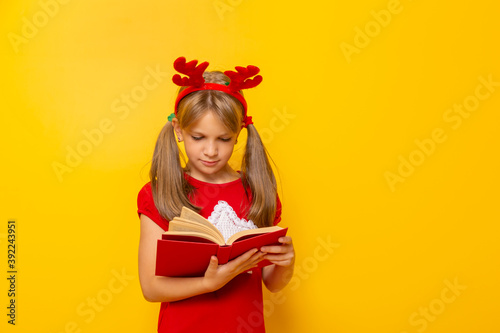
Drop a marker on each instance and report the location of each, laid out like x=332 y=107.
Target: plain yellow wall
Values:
x=382 y=116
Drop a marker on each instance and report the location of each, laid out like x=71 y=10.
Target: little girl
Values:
x=210 y=112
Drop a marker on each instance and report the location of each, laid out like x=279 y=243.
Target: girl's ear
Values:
x=237 y=136
x=177 y=129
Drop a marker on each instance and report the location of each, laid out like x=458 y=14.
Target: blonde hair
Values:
x=170 y=188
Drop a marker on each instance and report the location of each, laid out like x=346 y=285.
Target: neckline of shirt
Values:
x=201 y=182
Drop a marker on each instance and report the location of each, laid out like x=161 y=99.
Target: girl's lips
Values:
x=209 y=163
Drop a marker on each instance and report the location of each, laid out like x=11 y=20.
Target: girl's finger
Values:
x=285 y=240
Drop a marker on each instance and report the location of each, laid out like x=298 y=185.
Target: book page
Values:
x=245 y=233
x=178 y=224
x=191 y=215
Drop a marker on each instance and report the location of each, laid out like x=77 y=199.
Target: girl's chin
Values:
x=210 y=173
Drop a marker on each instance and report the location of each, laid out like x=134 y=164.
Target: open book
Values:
x=185 y=249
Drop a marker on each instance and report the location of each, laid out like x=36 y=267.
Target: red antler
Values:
x=241 y=79
x=190 y=69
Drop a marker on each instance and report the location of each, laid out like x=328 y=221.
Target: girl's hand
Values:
x=216 y=276
x=281 y=255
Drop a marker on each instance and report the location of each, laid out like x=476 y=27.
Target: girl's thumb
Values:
x=214 y=262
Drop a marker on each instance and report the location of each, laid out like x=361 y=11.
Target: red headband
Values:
x=239 y=80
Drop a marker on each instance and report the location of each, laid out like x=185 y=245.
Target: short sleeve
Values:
x=277 y=218
x=146 y=206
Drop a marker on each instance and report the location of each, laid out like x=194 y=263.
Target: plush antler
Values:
x=190 y=69
x=241 y=79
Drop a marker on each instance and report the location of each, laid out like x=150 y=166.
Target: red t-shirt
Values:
x=236 y=307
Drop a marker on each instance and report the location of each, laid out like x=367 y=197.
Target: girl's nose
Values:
x=210 y=149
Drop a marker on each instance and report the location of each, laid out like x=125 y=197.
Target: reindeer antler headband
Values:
x=241 y=79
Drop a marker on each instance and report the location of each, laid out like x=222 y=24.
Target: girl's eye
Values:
x=197 y=138
x=225 y=140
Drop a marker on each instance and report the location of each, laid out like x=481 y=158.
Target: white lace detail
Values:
x=224 y=218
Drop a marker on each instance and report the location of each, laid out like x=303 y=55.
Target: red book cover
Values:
x=185 y=256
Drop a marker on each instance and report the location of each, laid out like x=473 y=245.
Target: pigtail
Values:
x=258 y=175
x=168 y=184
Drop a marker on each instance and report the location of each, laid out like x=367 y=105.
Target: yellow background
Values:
x=336 y=124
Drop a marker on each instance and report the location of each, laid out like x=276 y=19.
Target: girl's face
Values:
x=209 y=146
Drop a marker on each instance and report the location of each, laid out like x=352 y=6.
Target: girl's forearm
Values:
x=171 y=289
x=277 y=277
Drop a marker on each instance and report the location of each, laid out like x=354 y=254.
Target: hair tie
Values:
x=247 y=121
x=170 y=117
